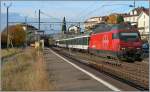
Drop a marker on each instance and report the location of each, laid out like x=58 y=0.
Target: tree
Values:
x=112 y=19
x=16 y=34
x=64 y=26
x=120 y=19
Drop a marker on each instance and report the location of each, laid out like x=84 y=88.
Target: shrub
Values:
x=16 y=34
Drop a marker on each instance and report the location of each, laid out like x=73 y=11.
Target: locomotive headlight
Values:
x=138 y=48
x=123 y=48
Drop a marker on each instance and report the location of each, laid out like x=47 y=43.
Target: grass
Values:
x=26 y=73
x=10 y=51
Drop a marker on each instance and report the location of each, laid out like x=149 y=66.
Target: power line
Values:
x=85 y=9
x=50 y=16
x=104 y=6
x=112 y=10
x=93 y=10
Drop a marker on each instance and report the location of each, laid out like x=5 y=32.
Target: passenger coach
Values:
x=79 y=42
x=121 y=41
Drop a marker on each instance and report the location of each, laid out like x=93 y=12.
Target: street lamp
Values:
x=7 y=6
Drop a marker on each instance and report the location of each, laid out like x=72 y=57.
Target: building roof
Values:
x=95 y=17
x=139 y=10
x=103 y=18
x=98 y=17
x=129 y=15
x=146 y=11
x=29 y=27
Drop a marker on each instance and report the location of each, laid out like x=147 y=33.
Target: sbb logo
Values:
x=105 y=41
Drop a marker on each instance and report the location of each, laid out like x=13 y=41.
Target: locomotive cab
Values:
x=130 y=44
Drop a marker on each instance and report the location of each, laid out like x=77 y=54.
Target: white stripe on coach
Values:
x=88 y=73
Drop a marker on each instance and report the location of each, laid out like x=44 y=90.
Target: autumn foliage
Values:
x=114 y=19
x=17 y=35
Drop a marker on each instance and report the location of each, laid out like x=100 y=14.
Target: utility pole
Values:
x=38 y=34
x=79 y=28
x=26 y=29
x=134 y=4
x=7 y=30
x=7 y=6
x=39 y=19
x=25 y=19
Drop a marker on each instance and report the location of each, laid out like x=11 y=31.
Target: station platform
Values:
x=66 y=77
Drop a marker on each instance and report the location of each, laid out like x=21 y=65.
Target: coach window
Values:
x=70 y=42
x=80 y=41
x=84 y=41
x=73 y=40
x=76 y=41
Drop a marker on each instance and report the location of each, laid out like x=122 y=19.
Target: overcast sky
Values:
x=72 y=10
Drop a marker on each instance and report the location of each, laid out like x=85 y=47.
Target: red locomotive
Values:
x=118 y=40
x=112 y=40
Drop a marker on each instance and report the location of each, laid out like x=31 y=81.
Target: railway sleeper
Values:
x=127 y=76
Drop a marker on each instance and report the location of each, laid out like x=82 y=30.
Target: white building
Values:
x=74 y=29
x=143 y=24
x=132 y=16
x=90 y=23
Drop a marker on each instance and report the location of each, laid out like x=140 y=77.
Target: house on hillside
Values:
x=143 y=24
x=74 y=29
x=31 y=32
x=133 y=15
x=92 y=22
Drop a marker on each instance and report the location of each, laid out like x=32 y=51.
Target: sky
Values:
x=72 y=10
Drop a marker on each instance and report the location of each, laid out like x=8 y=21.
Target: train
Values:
x=118 y=41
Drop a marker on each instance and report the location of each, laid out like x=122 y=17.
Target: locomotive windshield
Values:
x=129 y=36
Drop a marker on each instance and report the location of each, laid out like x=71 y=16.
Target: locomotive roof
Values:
x=109 y=27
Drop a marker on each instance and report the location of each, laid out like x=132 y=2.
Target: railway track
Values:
x=135 y=74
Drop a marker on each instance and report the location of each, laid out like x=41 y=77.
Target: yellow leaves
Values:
x=112 y=19
x=16 y=33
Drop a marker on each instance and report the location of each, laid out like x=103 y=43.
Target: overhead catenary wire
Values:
x=112 y=10
x=48 y=15
x=104 y=5
x=87 y=8
x=92 y=11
